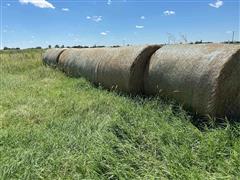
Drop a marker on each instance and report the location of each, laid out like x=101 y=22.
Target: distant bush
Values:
x=200 y=42
x=6 y=48
x=231 y=42
x=78 y=46
x=115 y=46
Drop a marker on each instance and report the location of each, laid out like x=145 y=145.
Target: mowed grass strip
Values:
x=56 y=127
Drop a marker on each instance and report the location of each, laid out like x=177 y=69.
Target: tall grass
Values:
x=56 y=127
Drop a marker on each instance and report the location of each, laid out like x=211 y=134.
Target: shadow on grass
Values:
x=203 y=123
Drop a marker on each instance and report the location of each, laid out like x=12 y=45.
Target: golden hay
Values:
x=113 y=68
x=204 y=78
x=51 y=56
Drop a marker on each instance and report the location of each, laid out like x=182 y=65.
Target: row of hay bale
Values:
x=114 y=68
x=203 y=78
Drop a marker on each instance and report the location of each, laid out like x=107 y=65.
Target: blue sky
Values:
x=31 y=23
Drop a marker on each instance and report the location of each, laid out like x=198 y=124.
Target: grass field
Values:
x=56 y=127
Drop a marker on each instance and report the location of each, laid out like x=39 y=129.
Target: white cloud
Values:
x=65 y=9
x=94 y=18
x=139 y=27
x=169 y=13
x=109 y=2
x=38 y=3
x=103 y=33
x=217 y=4
x=142 y=17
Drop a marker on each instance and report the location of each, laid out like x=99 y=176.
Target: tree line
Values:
x=97 y=46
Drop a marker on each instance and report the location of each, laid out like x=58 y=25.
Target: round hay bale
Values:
x=204 y=78
x=51 y=56
x=113 y=68
x=79 y=63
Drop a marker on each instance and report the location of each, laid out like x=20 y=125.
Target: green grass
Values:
x=56 y=127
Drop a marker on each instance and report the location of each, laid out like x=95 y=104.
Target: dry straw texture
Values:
x=205 y=78
x=51 y=57
x=114 y=68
